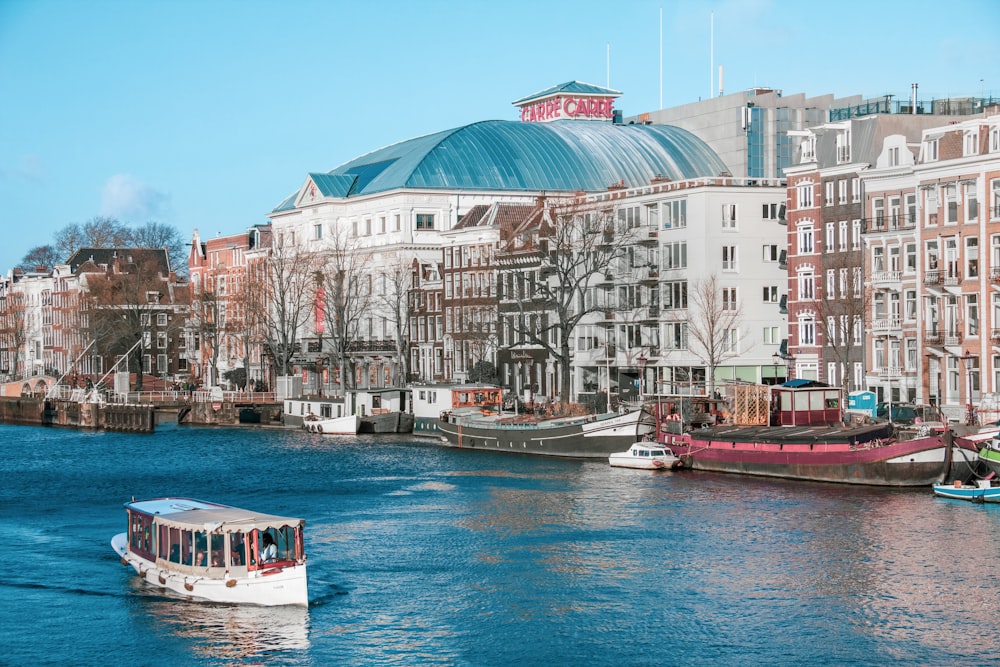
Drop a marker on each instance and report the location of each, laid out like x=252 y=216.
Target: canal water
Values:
x=423 y=555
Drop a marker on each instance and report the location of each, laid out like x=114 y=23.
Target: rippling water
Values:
x=421 y=555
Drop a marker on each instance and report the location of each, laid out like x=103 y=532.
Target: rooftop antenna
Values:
x=711 y=54
x=608 y=84
x=661 y=59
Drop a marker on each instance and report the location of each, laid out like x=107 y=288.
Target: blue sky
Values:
x=206 y=114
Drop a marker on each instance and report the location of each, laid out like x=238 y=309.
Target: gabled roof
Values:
x=570 y=88
x=497 y=155
x=91 y=259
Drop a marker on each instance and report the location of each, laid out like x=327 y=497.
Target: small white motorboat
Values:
x=347 y=425
x=646 y=456
x=215 y=552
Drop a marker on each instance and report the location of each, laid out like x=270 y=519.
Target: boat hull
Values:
x=336 y=426
x=974 y=494
x=390 y=422
x=287 y=587
x=582 y=437
x=917 y=462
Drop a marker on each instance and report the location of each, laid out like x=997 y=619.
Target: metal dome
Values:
x=511 y=155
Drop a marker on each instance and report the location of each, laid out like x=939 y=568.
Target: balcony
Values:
x=995 y=275
x=885 y=324
x=783 y=305
x=890 y=372
x=952 y=339
x=933 y=337
x=885 y=277
x=995 y=336
x=953 y=278
x=932 y=278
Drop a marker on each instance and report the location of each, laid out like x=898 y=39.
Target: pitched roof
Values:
x=91 y=259
x=572 y=88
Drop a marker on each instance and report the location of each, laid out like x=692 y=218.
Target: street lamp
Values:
x=642 y=373
x=777 y=360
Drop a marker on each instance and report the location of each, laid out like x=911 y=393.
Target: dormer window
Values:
x=931 y=150
x=844 y=146
x=970 y=143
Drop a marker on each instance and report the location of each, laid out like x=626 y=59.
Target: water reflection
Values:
x=230 y=632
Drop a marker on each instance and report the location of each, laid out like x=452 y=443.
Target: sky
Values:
x=206 y=114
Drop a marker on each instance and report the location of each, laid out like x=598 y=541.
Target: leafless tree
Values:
x=43 y=256
x=397 y=278
x=714 y=325
x=123 y=302
x=289 y=289
x=346 y=295
x=841 y=310
x=13 y=330
x=571 y=247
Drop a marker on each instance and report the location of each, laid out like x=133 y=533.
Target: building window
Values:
x=425 y=221
x=971 y=203
x=931 y=150
x=728 y=258
x=842 y=191
x=831 y=231
x=675 y=214
x=971 y=257
x=773 y=211
x=828 y=198
x=771 y=253
x=676 y=336
x=675 y=295
x=843 y=146
x=856 y=235
x=972 y=314
x=970 y=144
x=807 y=331
x=772 y=336
x=807 y=285
x=628 y=217
x=806 y=240
x=729 y=299
x=805 y=195
x=675 y=255
x=729 y=216
x=771 y=294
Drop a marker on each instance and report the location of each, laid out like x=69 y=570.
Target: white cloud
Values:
x=127 y=198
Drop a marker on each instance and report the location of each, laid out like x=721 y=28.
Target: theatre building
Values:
x=437 y=205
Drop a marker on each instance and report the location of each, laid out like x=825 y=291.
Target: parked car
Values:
x=901 y=413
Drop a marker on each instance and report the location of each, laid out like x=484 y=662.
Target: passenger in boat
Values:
x=270 y=551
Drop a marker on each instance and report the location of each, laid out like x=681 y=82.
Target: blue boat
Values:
x=982 y=491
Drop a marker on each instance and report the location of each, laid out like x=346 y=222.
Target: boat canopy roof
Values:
x=211 y=517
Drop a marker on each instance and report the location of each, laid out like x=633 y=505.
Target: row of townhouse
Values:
x=894 y=256
x=104 y=310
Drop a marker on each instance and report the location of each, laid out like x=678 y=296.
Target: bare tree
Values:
x=245 y=315
x=289 y=289
x=569 y=249
x=345 y=281
x=13 y=331
x=205 y=321
x=714 y=325
x=123 y=302
x=841 y=310
x=43 y=256
x=395 y=301
x=158 y=235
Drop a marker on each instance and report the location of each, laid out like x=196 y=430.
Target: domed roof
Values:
x=511 y=155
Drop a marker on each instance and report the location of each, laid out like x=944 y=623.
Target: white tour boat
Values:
x=215 y=552
x=646 y=456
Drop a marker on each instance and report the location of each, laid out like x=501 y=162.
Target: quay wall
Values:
x=37 y=411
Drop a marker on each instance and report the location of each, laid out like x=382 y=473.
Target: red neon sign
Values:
x=568 y=107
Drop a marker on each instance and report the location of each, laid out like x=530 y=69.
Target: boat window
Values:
x=163 y=543
x=201 y=549
x=237 y=549
x=175 y=545
x=186 y=552
x=218 y=551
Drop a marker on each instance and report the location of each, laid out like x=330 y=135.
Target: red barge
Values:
x=798 y=431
